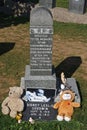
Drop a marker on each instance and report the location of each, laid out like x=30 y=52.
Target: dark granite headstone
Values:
x=77 y=6
x=47 y=3
x=41 y=109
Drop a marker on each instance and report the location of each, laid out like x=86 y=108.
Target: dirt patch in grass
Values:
x=64 y=15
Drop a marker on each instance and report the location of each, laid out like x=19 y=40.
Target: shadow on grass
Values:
x=6 y=46
x=68 y=66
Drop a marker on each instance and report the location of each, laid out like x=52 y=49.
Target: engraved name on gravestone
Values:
x=77 y=6
x=41 y=33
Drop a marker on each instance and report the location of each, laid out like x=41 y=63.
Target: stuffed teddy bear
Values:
x=13 y=103
x=65 y=105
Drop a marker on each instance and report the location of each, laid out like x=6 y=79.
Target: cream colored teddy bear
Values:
x=13 y=103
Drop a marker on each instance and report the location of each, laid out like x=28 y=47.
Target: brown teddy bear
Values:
x=13 y=103
x=65 y=106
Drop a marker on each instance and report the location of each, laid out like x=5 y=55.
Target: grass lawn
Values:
x=62 y=3
x=69 y=40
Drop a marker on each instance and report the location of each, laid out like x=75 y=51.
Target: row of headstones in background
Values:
x=76 y=6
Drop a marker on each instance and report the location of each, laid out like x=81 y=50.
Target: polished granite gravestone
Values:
x=77 y=6
x=40 y=78
x=39 y=74
x=47 y=3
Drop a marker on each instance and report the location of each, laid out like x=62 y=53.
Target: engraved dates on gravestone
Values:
x=41 y=50
x=40 y=111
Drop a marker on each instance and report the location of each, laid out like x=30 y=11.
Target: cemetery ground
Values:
x=69 y=41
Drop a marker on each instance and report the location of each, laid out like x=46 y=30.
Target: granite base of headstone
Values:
x=77 y=6
x=41 y=81
x=74 y=87
x=47 y=3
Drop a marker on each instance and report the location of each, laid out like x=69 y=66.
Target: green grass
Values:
x=7 y=123
x=62 y=3
x=71 y=30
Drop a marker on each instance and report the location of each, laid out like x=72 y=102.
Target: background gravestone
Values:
x=39 y=77
x=47 y=3
x=77 y=6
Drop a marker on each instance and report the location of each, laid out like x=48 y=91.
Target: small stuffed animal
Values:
x=63 y=79
x=13 y=103
x=31 y=120
x=18 y=117
x=64 y=84
x=65 y=105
